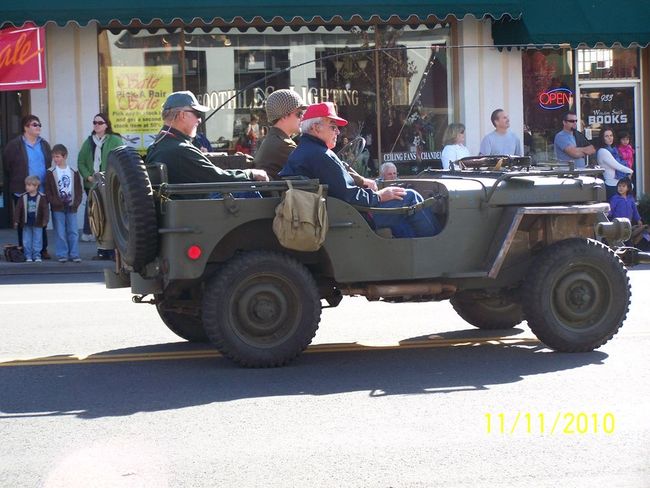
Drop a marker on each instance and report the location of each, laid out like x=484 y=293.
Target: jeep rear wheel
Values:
x=490 y=313
x=262 y=309
x=576 y=296
x=185 y=326
x=130 y=207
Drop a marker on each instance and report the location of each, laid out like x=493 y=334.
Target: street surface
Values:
x=96 y=392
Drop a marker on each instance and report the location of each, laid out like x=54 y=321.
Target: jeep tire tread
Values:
x=576 y=295
x=130 y=207
x=262 y=309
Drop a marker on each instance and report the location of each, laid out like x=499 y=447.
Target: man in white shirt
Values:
x=501 y=141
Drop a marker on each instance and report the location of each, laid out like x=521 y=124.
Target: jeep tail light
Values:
x=194 y=252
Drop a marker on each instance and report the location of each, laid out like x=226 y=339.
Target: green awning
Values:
x=252 y=12
x=577 y=22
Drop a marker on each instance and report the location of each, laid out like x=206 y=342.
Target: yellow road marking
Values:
x=209 y=353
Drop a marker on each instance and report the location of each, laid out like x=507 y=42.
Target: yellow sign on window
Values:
x=135 y=98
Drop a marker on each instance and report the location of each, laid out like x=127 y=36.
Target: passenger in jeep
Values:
x=314 y=158
x=173 y=146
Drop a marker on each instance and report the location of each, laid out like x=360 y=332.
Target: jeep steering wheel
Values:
x=351 y=152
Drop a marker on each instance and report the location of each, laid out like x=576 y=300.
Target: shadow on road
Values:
x=125 y=388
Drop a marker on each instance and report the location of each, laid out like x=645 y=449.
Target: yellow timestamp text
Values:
x=542 y=423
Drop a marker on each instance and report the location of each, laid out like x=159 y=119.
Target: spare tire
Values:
x=130 y=207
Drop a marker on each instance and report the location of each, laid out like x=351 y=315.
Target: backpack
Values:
x=14 y=254
x=300 y=221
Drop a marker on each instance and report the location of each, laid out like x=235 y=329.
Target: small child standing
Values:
x=623 y=204
x=64 y=192
x=625 y=150
x=32 y=215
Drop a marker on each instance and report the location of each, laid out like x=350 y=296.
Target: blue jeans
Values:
x=32 y=241
x=421 y=224
x=67 y=234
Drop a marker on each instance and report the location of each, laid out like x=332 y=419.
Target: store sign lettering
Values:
x=398 y=157
x=607 y=118
x=240 y=100
x=555 y=99
x=22 y=58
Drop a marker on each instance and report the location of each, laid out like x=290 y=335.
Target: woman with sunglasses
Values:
x=27 y=155
x=92 y=158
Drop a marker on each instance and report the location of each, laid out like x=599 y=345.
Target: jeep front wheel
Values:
x=262 y=309
x=490 y=313
x=185 y=326
x=576 y=296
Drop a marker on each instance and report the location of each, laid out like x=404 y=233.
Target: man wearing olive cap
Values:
x=173 y=146
x=314 y=158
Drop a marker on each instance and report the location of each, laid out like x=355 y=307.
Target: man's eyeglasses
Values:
x=571 y=121
x=35 y=124
x=196 y=114
x=98 y=122
x=334 y=127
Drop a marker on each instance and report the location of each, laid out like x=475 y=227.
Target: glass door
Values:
x=615 y=106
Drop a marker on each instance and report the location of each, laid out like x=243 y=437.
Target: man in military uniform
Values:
x=173 y=146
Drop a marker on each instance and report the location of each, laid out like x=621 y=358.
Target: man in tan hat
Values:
x=284 y=109
x=315 y=159
x=173 y=146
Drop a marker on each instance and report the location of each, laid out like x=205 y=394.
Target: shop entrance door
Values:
x=615 y=106
x=10 y=114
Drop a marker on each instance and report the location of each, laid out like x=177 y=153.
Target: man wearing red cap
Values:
x=314 y=158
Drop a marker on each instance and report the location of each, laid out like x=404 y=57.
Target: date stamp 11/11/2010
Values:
x=541 y=423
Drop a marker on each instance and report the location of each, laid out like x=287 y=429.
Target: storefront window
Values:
x=397 y=99
x=598 y=64
x=549 y=92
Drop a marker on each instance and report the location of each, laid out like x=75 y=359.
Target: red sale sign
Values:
x=22 y=58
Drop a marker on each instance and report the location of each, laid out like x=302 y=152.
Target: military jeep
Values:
x=517 y=243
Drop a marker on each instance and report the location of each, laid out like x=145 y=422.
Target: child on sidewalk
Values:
x=64 y=192
x=625 y=149
x=623 y=204
x=32 y=215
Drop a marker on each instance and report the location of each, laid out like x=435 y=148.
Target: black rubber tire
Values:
x=262 y=309
x=492 y=313
x=185 y=326
x=130 y=207
x=576 y=296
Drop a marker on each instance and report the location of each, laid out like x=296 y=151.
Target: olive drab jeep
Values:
x=517 y=243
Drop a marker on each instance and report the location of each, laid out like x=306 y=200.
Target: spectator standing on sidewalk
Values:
x=27 y=154
x=32 y=216
x=501 y=141
x=93 y=157
x=64 y=191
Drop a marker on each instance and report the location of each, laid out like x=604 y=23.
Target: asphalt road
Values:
x=95 y=391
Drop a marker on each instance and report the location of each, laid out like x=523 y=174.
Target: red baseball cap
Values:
x=324 y=109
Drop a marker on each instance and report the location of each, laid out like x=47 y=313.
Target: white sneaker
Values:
x=29 y=260
x=38 y=260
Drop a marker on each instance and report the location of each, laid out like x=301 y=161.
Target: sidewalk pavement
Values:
x=51 y=266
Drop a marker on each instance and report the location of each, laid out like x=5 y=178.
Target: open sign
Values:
x=555 y=99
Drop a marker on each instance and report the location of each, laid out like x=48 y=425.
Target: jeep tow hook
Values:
x=141 y=299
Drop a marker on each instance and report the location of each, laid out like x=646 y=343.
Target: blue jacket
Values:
x=624 y=207
x=312 y=159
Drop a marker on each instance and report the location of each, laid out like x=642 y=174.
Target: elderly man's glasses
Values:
x=196 y=114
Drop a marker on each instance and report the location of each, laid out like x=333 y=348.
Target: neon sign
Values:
x=555 y=99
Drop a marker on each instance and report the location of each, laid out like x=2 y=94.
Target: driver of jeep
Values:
x=173 y=146
x=314 y=158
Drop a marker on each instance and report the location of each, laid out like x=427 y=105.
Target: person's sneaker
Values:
x=62 y=260
x=38 y=260
x=76 y=260
x=29 y=260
